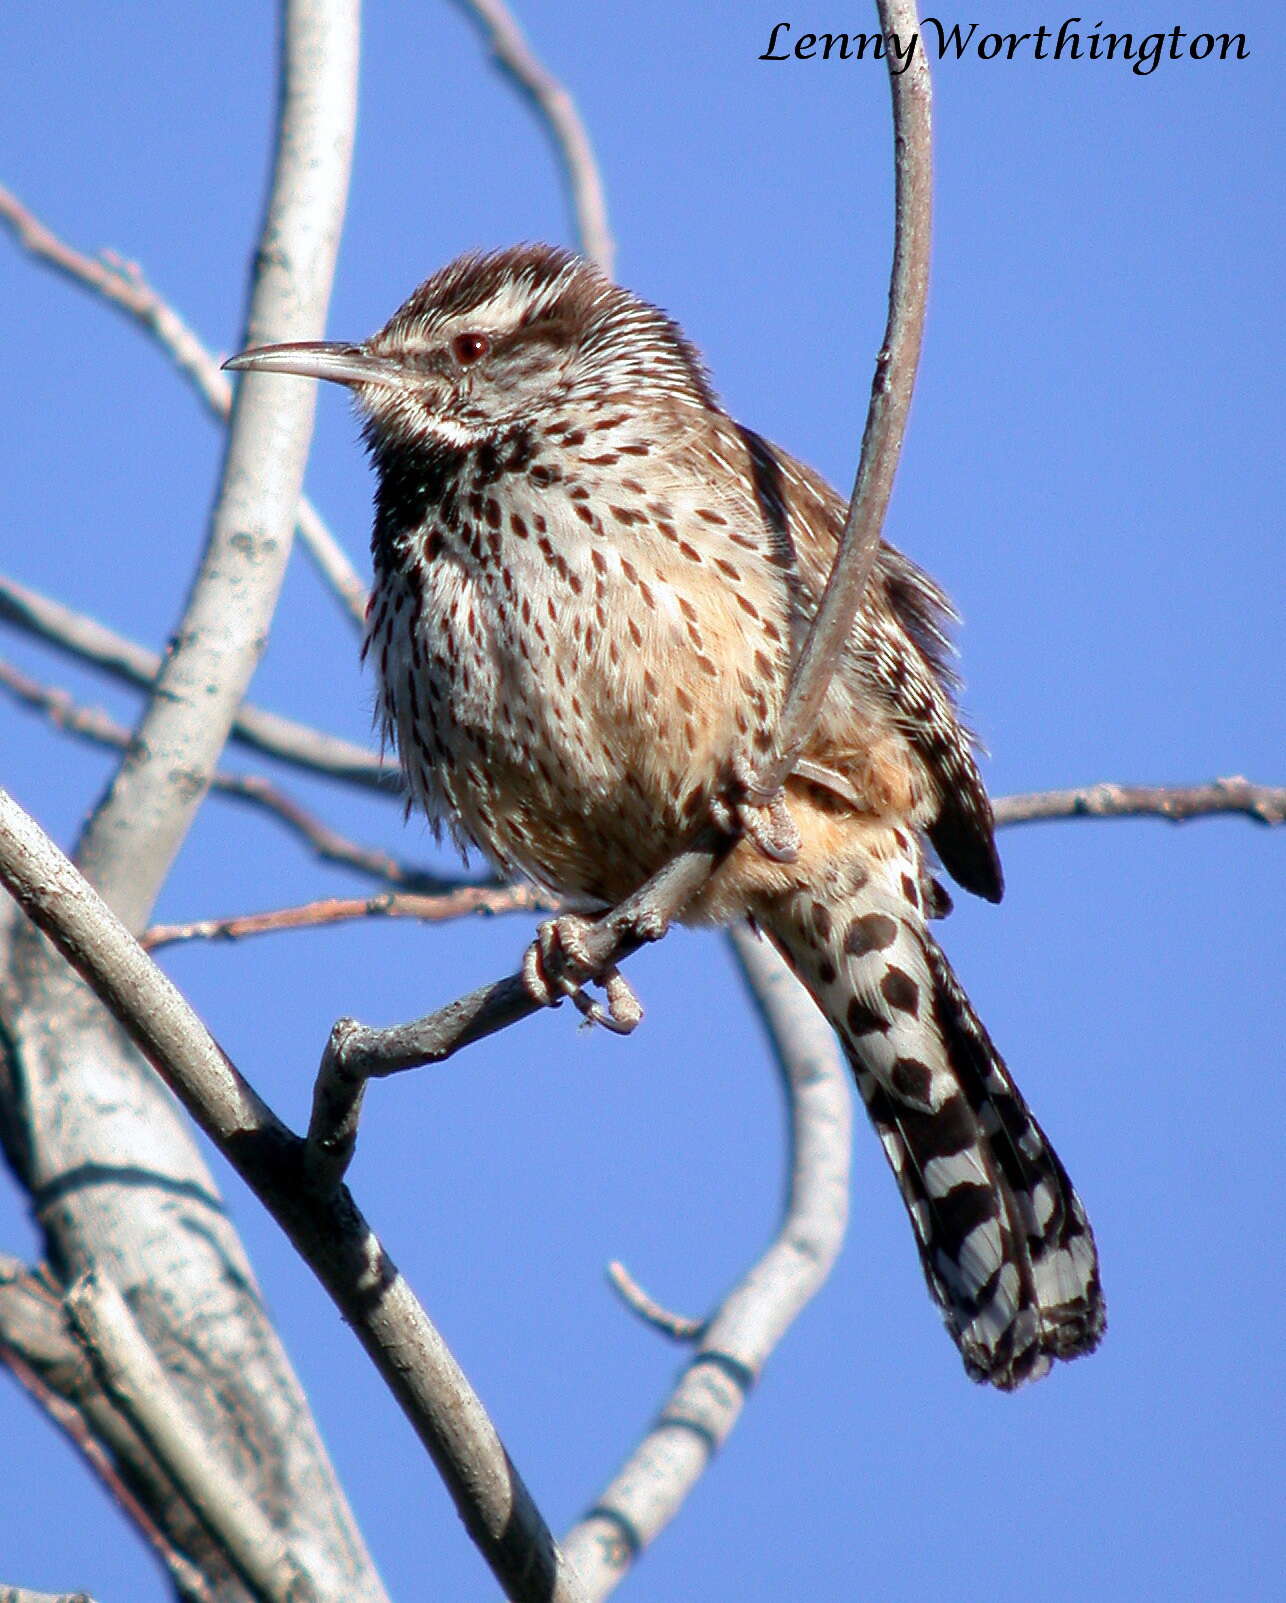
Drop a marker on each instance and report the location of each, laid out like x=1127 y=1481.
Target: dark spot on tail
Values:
x=872 y=932
x=901 y=992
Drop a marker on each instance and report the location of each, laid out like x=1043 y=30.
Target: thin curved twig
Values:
x=678 y=1327
x=562 y=120
x=895 y=370
x=122 y=284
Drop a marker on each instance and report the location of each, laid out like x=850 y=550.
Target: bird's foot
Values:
x=762 y=816
x=558 y=964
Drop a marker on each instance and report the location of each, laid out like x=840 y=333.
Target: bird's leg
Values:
x=557 y=964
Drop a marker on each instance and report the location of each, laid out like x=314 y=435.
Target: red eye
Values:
x=470 y=348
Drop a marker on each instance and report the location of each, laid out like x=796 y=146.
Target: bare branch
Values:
x=121 y=284
x=96 y=726
x=86 y=640
x=465 y=899
x=63 y=711
x=328 y=843
x=332 y=561
x=735 y=1342
x=891 y=389
x=558 y=111
x=678 y=1327
x=1264 y=803
x=88 y=1103
x=134 y=1377
x=327 y=1230
x=37 y=1348
x=21 y=1594
x=356 y=1053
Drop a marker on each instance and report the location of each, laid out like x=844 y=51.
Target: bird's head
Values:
x=493 y=342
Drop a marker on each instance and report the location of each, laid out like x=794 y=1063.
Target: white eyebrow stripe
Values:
x=513 y=301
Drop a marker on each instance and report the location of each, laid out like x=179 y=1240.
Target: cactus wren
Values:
x=589 y=584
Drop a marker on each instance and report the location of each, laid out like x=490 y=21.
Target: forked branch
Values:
x=121 y=283
x=734 y=1343
x=327 y=1230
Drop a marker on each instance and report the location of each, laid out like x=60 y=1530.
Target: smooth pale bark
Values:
x=116 y=1179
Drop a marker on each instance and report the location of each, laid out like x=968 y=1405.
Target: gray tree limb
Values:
x=86 y=640
x=134 y=1377
x=325 y=1226
x=116 y=1180
x=735 y=1342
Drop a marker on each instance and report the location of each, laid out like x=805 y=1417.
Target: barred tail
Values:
x=1004 y=1241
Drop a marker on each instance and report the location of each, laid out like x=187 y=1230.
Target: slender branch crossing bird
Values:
x=590 y=584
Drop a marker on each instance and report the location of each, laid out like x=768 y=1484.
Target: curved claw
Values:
x=624 y=1010
x=595 y=1013
x=772 y=828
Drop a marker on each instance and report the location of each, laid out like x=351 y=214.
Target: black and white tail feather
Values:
x=1005 y=1244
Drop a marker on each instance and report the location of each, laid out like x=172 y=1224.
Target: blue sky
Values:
x=1093 y=470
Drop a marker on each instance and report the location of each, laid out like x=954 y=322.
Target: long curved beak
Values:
x=325 y=359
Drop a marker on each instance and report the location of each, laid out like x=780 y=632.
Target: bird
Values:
x=590 y=586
